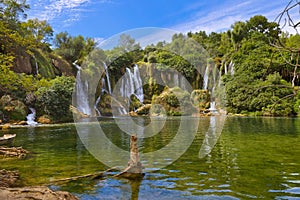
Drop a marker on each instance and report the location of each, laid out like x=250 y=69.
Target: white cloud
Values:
x=63 y=11
x=227 y=14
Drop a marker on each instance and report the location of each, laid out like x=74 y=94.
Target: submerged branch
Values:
x=95 y=175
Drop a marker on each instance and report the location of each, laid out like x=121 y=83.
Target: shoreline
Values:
x=39 y=125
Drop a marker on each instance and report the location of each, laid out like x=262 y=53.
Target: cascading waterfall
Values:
x=107 y=78
x=138 y=84
x=129 y=87
x=82 y=88
x=131 y=84
x=231 y=67
x=225 y=67
x=205 y=78
x=213 y=108
x=211 y=74
x=31 y=117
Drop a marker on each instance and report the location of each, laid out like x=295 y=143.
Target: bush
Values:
x=56 y=99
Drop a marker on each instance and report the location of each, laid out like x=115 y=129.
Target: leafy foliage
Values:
x=55 y=100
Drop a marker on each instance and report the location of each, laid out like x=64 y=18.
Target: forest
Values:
x=37 y=67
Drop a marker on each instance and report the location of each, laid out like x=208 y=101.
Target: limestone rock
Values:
x=9 y=190
x=22 y=123
x=44 y=120
x=9 y=178
x=6 y=126
x=37 y=192
x=12 y=110
x=144 y=110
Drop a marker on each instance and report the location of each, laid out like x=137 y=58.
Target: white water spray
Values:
x=31 y=117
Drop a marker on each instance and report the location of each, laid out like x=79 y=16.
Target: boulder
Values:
x=44 y=120
x=22 y=122
x=9 y=178
x=10 y=190
x=6 y=126
x=13 y=110
x=144 y=110
x=36 y=192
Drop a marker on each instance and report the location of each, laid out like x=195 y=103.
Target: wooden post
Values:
x=134 y=168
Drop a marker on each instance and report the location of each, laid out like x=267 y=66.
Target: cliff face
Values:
x=47 y=64
x=22 y=62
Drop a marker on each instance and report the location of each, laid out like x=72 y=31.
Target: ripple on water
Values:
x=294 y=190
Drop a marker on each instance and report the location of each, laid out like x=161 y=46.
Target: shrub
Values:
x=56 y=99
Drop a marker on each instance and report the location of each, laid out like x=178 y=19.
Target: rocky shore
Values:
x=10 y=189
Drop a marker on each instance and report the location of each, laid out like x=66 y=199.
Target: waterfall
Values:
x=231 y=67
x=138 y=84
x=213 y=108
x=96 y=103
x=82 y=88
x=129 y=87
x=107 y=77
x=132 y=84
x=105 y=88
x=31 y=117
x=205 y=78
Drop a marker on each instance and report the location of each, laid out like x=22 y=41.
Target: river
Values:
x=254 y=157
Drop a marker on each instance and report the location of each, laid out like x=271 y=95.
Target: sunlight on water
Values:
x=253 y=158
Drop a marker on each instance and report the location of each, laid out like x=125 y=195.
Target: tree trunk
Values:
x=134 y=169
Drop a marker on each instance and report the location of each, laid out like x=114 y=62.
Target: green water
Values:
x=253 y=158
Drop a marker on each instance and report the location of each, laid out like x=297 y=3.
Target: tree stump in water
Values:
x=134 y=170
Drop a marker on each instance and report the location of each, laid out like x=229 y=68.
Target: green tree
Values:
x=73 y=48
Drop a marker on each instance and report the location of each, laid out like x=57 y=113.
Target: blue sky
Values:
x=104 y=18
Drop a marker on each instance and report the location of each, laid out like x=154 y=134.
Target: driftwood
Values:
x=9 y=178
x=18 y=152
x=134 y=170
x=96 y=175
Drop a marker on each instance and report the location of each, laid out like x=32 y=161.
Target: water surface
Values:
x=253 y=158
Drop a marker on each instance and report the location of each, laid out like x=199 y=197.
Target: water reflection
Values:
x=212 y=135
x=252 y=158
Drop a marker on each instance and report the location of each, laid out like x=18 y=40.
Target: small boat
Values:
x=7 y=139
